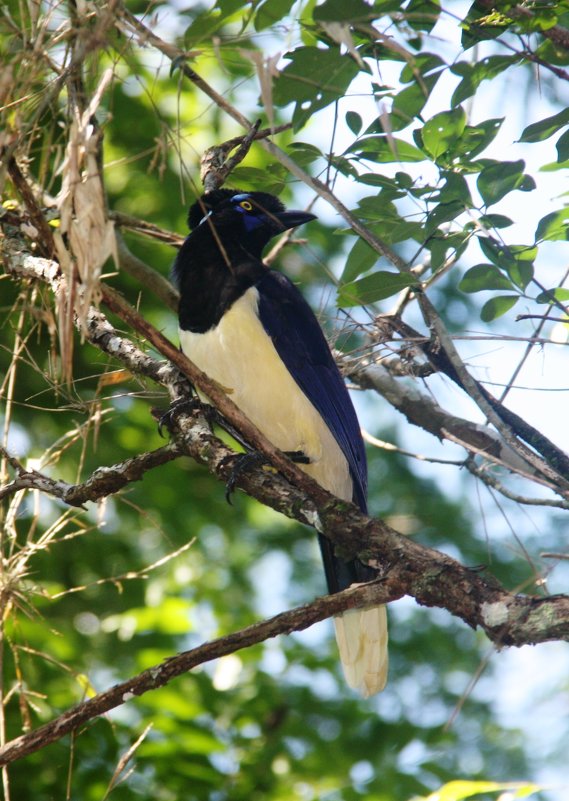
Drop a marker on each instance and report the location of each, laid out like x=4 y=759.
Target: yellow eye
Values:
x=246 y=205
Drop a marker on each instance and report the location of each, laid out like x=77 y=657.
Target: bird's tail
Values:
x=361 y=635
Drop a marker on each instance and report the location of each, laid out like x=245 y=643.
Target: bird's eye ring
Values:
x=246 y=205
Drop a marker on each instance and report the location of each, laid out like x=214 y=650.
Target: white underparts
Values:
x=240 y=356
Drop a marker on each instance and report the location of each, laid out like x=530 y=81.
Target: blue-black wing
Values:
x=296 y=334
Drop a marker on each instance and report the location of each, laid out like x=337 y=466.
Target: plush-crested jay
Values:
x=249 y=328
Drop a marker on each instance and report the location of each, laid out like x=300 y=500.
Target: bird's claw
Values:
x=187 y=405
x=246 y=461
x=241 y=463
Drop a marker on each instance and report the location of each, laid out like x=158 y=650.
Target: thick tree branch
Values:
x=552 y=464
x=159 y=675
x=421 y=410
x=147 y=276
x=407 y=567
x=103 y=482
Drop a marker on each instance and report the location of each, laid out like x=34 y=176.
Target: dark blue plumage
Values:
x=290 y=322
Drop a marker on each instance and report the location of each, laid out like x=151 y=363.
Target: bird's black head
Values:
x=221 y=258
x=250 y=218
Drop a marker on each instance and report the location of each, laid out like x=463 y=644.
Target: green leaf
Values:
x=376 y=208
x=515 y=260
x=270 y=12
x=460 y=789
x=455 y=188
x=304 y=153
x=313 y=79
x=439 y=244
x=554 y=226
x=475 y=139
x=479 y=26
x=361 y=258
x=474 y=74
x=422 y=15
x=374 y=179
x=559 y=294
x=538 y=131
x=442 y=131
x=354 y=122
x=407 y=105
x=562 y=147
x=500 y=178
x=483 y=277
x=344 y=166
x=490 y=221
x=423 y=64
x=272 y=178
x=443 y=213
x=385 y=149
x=209 y=22
x=380 y=285
x=340 y=11
x=497 y=306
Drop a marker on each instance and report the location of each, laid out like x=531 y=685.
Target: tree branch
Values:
x=553 y=474
x=421 y=410
x=102 y=482
x=553 y=464
x=178 y=57
x=159 y=675
x=407 y=567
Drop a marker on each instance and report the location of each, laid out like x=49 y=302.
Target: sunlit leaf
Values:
x=560 y=294
x=385 y=149
x=461 y=789
x=442 y=131
x=497 y=306
x=372 y=288
x=553 y=226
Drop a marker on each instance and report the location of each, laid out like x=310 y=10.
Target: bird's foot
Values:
x=247 y=461
x=212 y=415
x=182 y=406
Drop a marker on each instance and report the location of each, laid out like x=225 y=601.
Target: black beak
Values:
x=292 y=219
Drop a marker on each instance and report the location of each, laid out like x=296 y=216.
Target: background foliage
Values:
x=415 y=115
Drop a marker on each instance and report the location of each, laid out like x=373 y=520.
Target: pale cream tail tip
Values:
x=361 y=635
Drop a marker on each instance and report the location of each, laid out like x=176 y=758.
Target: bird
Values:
x=249 y=328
